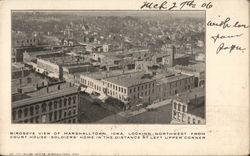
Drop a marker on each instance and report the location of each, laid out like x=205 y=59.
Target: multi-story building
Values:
x=170 y=84
x=53 y=66
x=188 y=108
x=196 y=70
x=51 y=104
x=17 y=53
x=33 y=41
x=131 y=88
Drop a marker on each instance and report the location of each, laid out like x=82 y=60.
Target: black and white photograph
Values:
x=108 y=67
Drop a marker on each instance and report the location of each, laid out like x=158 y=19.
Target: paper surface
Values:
x=226 y=131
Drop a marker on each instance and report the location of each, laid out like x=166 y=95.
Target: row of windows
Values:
x=180 y=82
x=32 y=110
x=91 y=84
x=36 y=120
x=58 y=115
x=182 y=117
x=115 y=94
x=146 y=93
x=180 y=107
x=30 y=40
x=117 y=88
x=141 y=87
x=53 y=116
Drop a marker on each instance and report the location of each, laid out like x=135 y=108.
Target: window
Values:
x=50 y=105
x=50 y=116
x=37 y=109
x=55 y=115
x=175 y=105
x=14 y=115
x=194 y=121
x=60 y=114
x=74 y=111
x=65 y=101
x=130 y=91
x=44 y=107
x=134 y=89
x=60 y=103
x=174 y=115
x=31 y=110
x=69 y=100
x=74 y=99
x=175 y=92
x=125 y=91
x=37 y=119
x=55 y=104
x=183 y=108
x=179 y=107
x=183 y=117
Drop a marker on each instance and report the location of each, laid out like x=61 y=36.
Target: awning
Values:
x=53 y=75
x=83 y=89
x=89 y=90
x=102 y=97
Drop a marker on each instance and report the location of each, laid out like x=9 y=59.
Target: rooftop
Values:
x=173 y=78
x=66 y=60
x=129 y=79
x=44 y=52
x=105 y=74
x=45 y=96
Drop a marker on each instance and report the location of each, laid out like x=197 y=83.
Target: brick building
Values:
x=52 y=104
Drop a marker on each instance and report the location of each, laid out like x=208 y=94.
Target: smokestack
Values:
x=172 y=53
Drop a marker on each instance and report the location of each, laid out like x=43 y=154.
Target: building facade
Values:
x=180 y=114
x=172 y=85
x=60 y=106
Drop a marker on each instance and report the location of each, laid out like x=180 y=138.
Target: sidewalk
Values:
x=142 y=110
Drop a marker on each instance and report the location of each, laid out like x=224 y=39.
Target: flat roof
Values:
x=130 y=79
x=43 y=97
x=44 y=52
x=170 y=77
x=62 y=60
x=105 y=74
x=191 y=94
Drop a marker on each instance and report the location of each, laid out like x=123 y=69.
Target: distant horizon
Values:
x=135 y=13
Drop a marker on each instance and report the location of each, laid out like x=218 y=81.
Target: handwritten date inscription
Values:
x=177 y=5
